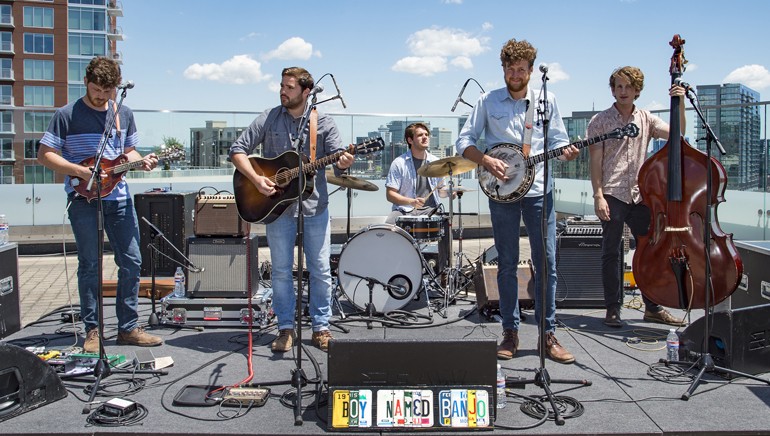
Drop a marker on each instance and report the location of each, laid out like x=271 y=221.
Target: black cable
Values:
x=100 y=418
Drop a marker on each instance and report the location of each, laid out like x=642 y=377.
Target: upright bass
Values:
x=671 y=265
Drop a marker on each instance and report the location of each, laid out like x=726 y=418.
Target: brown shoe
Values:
x=321 y=339
x=138 y=337
x=663 y=316
x=555 y=351
x=91 y=345
x=284 y=341
x=613 y=318
x=510 y=343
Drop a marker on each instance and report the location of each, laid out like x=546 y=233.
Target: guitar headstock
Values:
x=172 y=153
x=631 y=130
x=368 y=146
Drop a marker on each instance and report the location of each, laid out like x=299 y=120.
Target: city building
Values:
x=44 y=49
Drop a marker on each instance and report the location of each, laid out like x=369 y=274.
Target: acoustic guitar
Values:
x=283 y=170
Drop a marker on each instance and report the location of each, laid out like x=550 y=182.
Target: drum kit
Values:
x=382 y=268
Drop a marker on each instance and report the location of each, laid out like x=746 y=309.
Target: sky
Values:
x=413 y=56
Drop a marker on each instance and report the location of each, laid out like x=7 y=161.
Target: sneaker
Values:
x=91 y=345
x=613 y=318
x=663 y=316
x=321 y=339
x=138 y=337
x=510 y=343
x=555 y=351
x=283 y=342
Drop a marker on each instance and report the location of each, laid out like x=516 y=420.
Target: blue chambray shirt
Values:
x=501 y=119
x=403 y=178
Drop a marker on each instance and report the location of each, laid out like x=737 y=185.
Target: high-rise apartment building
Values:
x=732 y=112
x=45 y=46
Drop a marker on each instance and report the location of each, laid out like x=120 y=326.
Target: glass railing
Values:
x=747 y=213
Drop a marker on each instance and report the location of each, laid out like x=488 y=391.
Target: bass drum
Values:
x=388 y=254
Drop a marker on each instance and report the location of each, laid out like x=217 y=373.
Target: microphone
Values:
x=339 y=94
x=154 y=229
x=317 y=90
x=126 y=85
x=543 y=68
x=679 y=82
x=460 y=95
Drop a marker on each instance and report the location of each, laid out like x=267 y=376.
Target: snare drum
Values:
x=421 y=227
x=388 y=254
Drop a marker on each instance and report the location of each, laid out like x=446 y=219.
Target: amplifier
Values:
x=229 y=267
x=487 y=294
x=172 y=214
x=579 y=271
x=754 y=288
x=10 y=309
x=217 y=215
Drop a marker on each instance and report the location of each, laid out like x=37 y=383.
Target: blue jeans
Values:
x=122 y=229
x=506 y=219
x=281 y=237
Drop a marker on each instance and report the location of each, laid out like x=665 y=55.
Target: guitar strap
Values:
x=313 y=132
x=528 y=119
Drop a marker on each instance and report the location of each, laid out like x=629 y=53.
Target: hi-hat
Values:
x=442 y=167
x=458 y=189
x=351 y=182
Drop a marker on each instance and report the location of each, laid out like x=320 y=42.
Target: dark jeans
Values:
x=637 y=217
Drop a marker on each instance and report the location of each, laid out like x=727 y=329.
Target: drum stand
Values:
x=454 y=271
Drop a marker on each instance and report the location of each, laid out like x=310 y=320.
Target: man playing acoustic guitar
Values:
x=274 y=130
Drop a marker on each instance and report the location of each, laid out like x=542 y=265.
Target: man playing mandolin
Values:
x=615 y=165
x=503 y=115
x=73 y=136
x=274 y=130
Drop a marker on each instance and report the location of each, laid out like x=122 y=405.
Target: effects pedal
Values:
x=245 y=396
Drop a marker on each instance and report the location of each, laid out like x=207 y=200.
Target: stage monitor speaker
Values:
x=739 y=339
x=487 y=294
x=230 y=267
x=411 y=362
x=10 y=307
x=26 y=382
x=579 y=271
x=172 y=214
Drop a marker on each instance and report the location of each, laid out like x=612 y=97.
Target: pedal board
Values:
x=245 y=396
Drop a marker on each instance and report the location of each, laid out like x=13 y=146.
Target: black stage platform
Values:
x=622 y=399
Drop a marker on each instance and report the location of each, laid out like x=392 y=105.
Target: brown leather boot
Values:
x=555 y=351
x=507 y=348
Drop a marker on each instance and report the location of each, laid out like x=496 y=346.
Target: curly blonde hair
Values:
x=514 y=51
x=634 y=76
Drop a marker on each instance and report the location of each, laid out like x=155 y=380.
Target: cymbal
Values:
x=441 y=167
x=351 y=182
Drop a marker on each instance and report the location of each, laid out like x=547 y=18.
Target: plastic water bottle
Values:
x=672 y=345
x=3 y=229
x=179 y=291
x=501 y=400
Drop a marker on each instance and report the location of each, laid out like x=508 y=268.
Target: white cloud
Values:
x=446 y=42
x=421 y=65
x=463 y=62
x=556 y=73
x=690 y=67
x=293 y=48
x=274 y=86
x=655 y=106
x=754 y=76
x=239 y=69
x=487 y=26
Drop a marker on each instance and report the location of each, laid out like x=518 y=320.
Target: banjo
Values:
x=521 y=169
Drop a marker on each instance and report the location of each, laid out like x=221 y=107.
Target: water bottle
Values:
x=179 y=291
x=501 y=399
x=672 y=345
x=3 y=230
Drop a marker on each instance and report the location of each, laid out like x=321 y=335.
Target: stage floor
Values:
x=623 y=398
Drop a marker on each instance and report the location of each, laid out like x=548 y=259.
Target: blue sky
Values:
x=412 y=56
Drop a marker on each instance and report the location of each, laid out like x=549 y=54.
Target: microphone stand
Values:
x=102 y=368
x=542 y=378
x=705 y=361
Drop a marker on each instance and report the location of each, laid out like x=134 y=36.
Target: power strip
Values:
x=246 y=395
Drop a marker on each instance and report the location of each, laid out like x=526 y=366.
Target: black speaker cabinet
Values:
x=754 y=288
x=172 y=214
x=579 y=271
x=26 y=382
x=10 y=309
x=230 y=267
x=487 y=293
